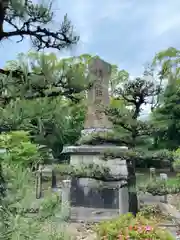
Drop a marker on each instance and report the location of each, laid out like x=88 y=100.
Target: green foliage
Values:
x=130 y=155
x=117 y=77
x=134 y=228
x=101 y=138
x=39 y=75
x=134 y=93
x=48 y=207
x=15 y=222
x=35 y=93
x=166 y=119
x=96 y=171
x=19 y=149
x=155 y=158
x=43 y=78
x=168 y=60
x=63 y=169
x=151 y=212
x=26 y=18
x=12 y=139
x=52 y=123
x=176 y=163
x=160 y=187
x=166 y=115
x=141 y=155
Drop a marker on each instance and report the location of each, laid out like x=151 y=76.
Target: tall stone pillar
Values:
x=98 y=97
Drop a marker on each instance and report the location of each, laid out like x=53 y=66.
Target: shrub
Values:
x=176 y=163
x=101 y=138
x=15 y=220
x=19 y=149
x=129 y=227
x=97 y=171
x=151 y=212
x=161 y=187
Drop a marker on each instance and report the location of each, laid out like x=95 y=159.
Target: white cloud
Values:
x=124 y=32
x=165 y=17
x=113 y=11
x=145 y=21
x=86 y=15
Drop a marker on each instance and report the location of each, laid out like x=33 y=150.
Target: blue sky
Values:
x=123 y=32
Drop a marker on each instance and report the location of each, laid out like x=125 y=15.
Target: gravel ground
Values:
x=89 y=215
x=174 y=200
x=81 y=231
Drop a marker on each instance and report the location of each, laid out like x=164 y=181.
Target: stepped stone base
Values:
x=91 y=193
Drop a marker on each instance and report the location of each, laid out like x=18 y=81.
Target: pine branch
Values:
x=32 y=18
x=62 y=86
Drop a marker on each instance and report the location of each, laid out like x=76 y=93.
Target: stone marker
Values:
x=39 y=183
x=123 y=200
x=65 y=199
x=152 y=173
x=164 y=177
x=98 y=97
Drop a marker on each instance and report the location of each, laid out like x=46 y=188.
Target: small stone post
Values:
x=123 y=199
x=39 y=183
x=152 y=173
x=65 y=198
x=164 y=177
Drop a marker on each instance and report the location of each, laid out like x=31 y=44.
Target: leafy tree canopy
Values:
x=166 y=115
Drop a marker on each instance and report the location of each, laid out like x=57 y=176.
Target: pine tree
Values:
x=136 y=94
x=26 y=18
x=166 y=117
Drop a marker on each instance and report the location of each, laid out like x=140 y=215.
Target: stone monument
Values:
x=85 y=192
x=98 y=98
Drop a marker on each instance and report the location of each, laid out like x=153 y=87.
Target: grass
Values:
x=173 y=181
x=143 y=176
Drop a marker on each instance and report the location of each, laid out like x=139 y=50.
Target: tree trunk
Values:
x=54 y=180
x=133 y=201
x=3 y=7
x=2 y=184
x=171 y=168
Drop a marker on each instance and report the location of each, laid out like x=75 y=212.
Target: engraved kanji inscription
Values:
x=98 y=95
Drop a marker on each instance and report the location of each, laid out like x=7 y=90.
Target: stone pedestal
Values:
x=91 y=193
x=88 y=154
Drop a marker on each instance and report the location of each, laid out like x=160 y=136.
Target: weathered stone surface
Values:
x=92 y=215
x=98 y=97
x=93 y=149
x=85 y=155
x=92 y=194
